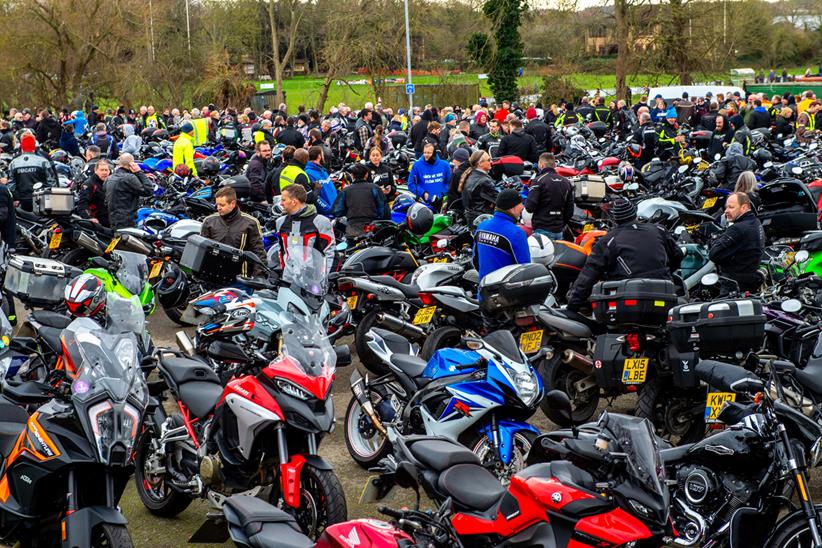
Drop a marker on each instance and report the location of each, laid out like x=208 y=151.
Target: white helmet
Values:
x=542 y=249
x=526 y=218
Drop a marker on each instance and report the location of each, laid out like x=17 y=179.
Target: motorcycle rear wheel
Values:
x=560 y=376
x=366 y=451
x=663 y=404
x=157 y=496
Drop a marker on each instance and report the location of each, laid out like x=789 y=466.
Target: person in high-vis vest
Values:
x=294 y=173
x=263 y=133
x=151 y=119
x=806 y=123
x=183 y=152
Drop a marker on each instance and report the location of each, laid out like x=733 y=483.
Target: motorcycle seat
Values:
x=195 y=383
x=413 y=366
x=263 y=524
x=410 y=291
x=13 y=420
x=440 y=453
x=557 y=320
x=471 y=486
x=50 y=319
x=811 y=375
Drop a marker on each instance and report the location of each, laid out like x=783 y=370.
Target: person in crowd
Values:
x=550 y=199
x=759 y=116
x=382 y=175
x=91 y=200
x=731 y=166
x=7 y=141
x=499 y=241
x=630 y=250
x=541 y=132
x=420 y=130
x=259 y=171
x=646 y=136
x=232 y=227
x=429 y=177
x=105 y=142
x=8 y=217
x=669 y=141
x=362 y=202
x=379 y=139
x=518 y=143
x=480 y=125
x=479 y=193
x=124 y=188
x=183 y=151
x=27 y=170
x=289 y=135
x=293 y=172
x=806 y=128
x=460 y=162
x=48 y=129
x=489 y=142
x=301 y=226
x=363 y=130
x=738 y=252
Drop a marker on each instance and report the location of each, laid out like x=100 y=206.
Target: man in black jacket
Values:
x=230 y=226
x=91 y=200
x=259 y=170
x=541 y=133
x=738 y=251
x=727 y=170
x=289 y=135
x=631 y=250
x=28 y=169
x=361 y=202
x=419 y=131
x=518 y=143
x=48 y=129
x=646 y=136
x=550 y=199
x=124 y=188
x=759 y=117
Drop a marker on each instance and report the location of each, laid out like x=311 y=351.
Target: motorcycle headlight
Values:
x=816 y=452
x=115 y=430
x=293 y=390
x=526 y=386
x=640 y=508
x=127 y=353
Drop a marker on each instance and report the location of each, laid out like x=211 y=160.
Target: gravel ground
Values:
x=150 y=531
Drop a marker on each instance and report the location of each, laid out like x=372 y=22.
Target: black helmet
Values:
x=420 y=219
x=59 y=155
x=762 y=155
x=211 y=166
x=173 y=290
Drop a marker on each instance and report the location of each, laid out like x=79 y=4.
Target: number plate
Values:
x=588 y=227
x=530 y=341
x=352 y=302
x=55 y=240
x=635 y=370
x=440 y=260
x=156 y=268
x=713 y=404
x=112 y=244
x=424 y=315
x=709 y=203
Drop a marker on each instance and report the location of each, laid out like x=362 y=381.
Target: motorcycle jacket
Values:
x=27 y=170
x=499 y=242
x=304 y=229
x=631 y=250
x=478 y=195
x=123 y=191
x=236 y=229
x=550 y=200
x=738 y=251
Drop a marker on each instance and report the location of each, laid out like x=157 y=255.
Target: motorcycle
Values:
x=260 y=432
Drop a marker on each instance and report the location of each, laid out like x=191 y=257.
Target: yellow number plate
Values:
x=709 y=203
x=113 y=244
x=156 y=268
x=588 y=227
x=352 y=302
x=635 y=370
x=530 y=341
x=55 y=240
x=440 y=260
x=424 y=315
x=714 y=402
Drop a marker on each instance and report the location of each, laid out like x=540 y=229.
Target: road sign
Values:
x=409 y=89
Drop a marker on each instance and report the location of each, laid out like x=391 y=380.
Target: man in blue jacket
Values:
x=499 y=242
x=429 y=177
x=318 y=176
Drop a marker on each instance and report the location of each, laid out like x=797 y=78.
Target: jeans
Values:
x=554 y=236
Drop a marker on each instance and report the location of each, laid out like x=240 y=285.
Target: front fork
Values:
x=291 y=466
x=800 y=475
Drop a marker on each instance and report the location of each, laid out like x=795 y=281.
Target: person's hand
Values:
x=680 y=139
x=425 y=196
x=93 y=220
x=17 y=203
x=134 y=167
x=4 y=180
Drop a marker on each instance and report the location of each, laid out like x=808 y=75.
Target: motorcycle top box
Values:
x=641 y=301
x=210 y=260
x=787 y=210
x=38 y=281
x=516 y=286
x=53 y=201
x=719 y=327
x=589 y=188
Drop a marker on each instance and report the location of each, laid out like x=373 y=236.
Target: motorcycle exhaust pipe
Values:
x=392 y=323
x=358 y=389
x=577 y=361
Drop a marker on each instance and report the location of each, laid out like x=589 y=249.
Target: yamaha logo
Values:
x=556 y=498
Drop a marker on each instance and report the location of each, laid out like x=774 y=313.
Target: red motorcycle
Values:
x=258 y=435
x=548 y=504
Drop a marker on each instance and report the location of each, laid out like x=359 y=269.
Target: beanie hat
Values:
x=507 y=199
x=450 y=117
x=359 y=172
x=623 y=211
x=531 y=113
x=28 y=143
x=187 y=127
x=461 y=155
x=671 y=113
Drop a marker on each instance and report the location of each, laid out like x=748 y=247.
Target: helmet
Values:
x=85 y=296
x=173 y=289
x=211 y=166
x=542 y=249
x=420 y=219
x=762 y=155
x=182 y=171
x=403 y=203
x=160 y=134
x=481 y=219
x=634 y=150
x=626 y=172
x=58 y=155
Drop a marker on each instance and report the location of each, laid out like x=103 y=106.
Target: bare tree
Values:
x=290 y=15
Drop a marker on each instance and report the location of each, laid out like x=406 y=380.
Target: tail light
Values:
x=633 y=341
x=368 y=228
x=426 y=298
x=524 y=321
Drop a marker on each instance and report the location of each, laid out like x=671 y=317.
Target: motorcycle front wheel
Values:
x=157 y=496
x=484 y=449
x=111 y=536
x=322 y=501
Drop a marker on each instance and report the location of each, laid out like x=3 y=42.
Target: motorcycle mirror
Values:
x=342 y=246
x=791 y=306
x=710 y=279
x=801 y=256
x=796 y=170
x=631 y=186
x=766 y=165
x=343 y=352
x=442 y=244
x=813 y=146
x=683 y=169
x=748 y=385
x=560 y=400
x=717 y=156
x=37 y=186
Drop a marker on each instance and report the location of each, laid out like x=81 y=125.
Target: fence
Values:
x=439 y=95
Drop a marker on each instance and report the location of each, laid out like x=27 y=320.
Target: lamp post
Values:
x=410 y=87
